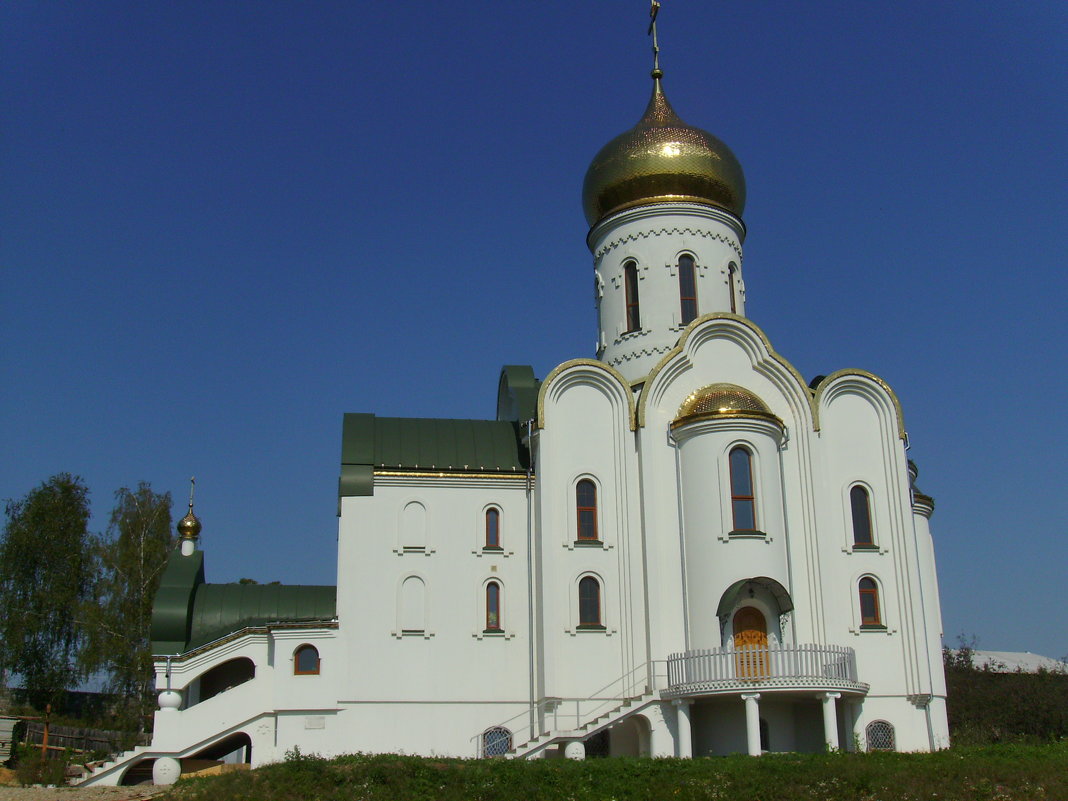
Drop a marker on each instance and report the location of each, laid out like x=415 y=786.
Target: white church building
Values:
x=679 y=547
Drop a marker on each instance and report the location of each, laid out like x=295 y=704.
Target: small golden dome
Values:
x=662 y=159
x=189 y=527
x=722 y=400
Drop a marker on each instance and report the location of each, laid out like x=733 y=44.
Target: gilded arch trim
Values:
x=668 y=357
x=855 y=371
x=616 y=376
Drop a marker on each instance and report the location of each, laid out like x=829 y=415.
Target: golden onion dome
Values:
x=662 y=159
x=189 y=526
x=722 y=400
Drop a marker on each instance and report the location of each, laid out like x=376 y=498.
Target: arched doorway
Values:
x=750 y=643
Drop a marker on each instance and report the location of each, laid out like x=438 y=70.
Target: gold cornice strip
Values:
x=447 y=474
x=612 y=371
x=821 y=388
x=749 y=413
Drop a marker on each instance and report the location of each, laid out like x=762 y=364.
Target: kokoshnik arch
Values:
x=677 y=548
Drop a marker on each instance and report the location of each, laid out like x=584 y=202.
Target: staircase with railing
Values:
x=228 y=713
x=559 y=720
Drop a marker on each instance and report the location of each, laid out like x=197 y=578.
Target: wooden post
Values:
x=44 y=738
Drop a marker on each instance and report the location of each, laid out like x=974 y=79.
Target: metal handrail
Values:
x=644 y=677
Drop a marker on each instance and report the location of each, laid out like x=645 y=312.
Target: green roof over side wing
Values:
x=517 y=393
x=173 y=605
x=371 y=443
x=188 y=613
x=221 y=609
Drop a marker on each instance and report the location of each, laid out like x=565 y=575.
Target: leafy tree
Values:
x=132 y=559
x=47 y=574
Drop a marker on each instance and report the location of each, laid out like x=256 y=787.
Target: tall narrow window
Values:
x=861 y=506
x=687 y=288
x=586 y=509
x=732 y=285
x=630 y=281
x=743 y=504
x=493 y=606
x=869 y=603
x=413 y=606
x=493 y=528
x=306 y=661
x=589 y=603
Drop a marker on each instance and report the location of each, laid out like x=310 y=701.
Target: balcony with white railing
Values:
x=717 y=671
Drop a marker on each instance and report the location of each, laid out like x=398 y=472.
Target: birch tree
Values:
x=132 y=559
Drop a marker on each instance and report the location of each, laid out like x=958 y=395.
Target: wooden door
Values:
x=750 y=643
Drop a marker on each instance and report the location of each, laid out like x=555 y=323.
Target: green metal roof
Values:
x=188 y=613
x=174 y=602
x=220 y=609
x=517 y=393
x=371 y=443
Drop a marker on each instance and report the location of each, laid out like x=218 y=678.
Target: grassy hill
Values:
x=993 y=773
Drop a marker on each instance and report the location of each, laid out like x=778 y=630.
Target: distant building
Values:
x=680 y=547
x=1016 y=661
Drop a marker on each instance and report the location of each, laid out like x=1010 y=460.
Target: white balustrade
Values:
x=806 y=665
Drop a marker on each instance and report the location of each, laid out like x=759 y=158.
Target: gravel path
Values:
x=79 y=793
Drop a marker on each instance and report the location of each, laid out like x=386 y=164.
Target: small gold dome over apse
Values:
x=662 y=159
x=189 y=526
x=722 y=400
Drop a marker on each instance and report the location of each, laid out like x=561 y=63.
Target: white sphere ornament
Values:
x=170 y=700
x=575 y=749
x=166 y=770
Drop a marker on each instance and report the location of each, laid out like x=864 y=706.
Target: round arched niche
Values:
x=763 y=594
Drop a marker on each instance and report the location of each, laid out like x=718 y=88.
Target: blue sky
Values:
x=222 y=225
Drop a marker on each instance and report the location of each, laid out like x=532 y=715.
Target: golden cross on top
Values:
x=192 y=489
x=654 y=8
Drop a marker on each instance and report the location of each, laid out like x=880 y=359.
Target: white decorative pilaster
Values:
x=752 y=722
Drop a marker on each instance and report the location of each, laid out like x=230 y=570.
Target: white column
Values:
x=684 y=748
x=752 y=722
x=830 y=720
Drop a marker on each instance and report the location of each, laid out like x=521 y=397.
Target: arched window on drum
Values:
x=743 y=497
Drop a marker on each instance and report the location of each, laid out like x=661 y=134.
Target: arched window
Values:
x=880 y=736
x=589 y=603
x=732 y=285
x=493 y=607
x=493 y=528
x=687 y=288
x=586 y=509
x=861 y=506
x=869 y=603
x=413 y=527
x=496 y=742
x=630 y=282
x=743 y=502
x=413 y=606
x=306 y=661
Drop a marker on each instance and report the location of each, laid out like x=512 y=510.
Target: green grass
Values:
x=992 y=773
